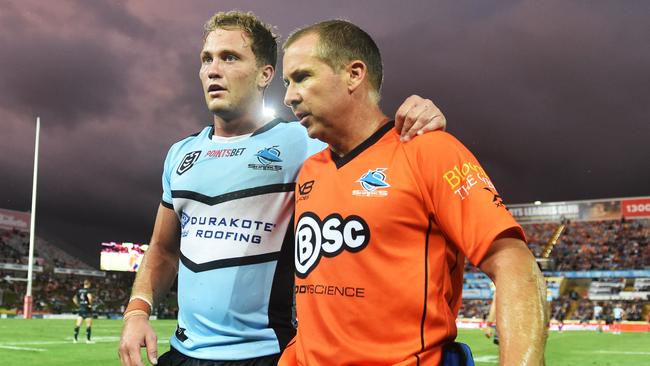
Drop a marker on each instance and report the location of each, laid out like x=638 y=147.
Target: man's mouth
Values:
x=302 y=116
x=215 y=89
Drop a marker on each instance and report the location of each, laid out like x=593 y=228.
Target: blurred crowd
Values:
x=566 y=308
x=14 y=248
x=53 y=292
x=595 y=245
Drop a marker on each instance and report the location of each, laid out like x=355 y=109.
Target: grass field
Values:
x=49 y=342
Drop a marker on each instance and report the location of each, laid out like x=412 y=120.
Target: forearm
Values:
x=522 y=324
x=520 y=302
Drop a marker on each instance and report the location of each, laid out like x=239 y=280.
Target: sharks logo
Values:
x=269 y=155
x=373 y=183
x=373 y=180
x=268 y=158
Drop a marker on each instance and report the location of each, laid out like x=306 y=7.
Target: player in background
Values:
x=598 y=316
x=226 y=209
x=84 y=299
x=619 y=313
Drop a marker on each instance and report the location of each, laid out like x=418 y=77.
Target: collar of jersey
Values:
x=266 y=127
x=340 y=161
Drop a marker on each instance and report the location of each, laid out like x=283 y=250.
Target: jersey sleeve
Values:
x=461 y=196
x=166 y=180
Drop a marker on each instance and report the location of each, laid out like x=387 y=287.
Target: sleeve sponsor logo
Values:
x=496 y=199
x=329 y=237
x=188 y=161
x=462 y=179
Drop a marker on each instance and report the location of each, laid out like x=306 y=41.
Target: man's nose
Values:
x=214 y=70
x=291 y=97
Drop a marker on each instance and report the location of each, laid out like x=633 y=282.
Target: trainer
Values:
x=383 y=228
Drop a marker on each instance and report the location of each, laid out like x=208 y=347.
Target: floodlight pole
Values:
x=27 y=305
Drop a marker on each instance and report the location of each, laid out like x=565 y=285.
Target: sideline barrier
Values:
x=572 y=325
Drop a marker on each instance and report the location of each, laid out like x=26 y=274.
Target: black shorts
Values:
x=175 y=358
x=85 y=313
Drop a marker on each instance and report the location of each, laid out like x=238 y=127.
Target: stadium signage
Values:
x=10 y=219
x=636 y=207
x=19 y=267
x=592 y=210
x=601 y=274
x=80 y=272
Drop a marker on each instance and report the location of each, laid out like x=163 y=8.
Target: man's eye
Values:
x=230 y=58
x=206 y=60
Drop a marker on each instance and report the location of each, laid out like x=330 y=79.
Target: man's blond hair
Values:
x=264 y=43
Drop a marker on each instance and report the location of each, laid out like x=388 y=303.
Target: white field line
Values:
x=24 y=348
x=68 y=340
x=623 y=352
x=487 y=359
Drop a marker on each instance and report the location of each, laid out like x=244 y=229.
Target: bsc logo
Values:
x=327 y=238
x=188 y=161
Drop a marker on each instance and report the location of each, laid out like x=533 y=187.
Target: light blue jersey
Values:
x=234 y=200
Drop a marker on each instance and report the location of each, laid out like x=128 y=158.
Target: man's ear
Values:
x=265 y=76
x=356 y=72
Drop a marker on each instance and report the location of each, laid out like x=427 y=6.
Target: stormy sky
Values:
x=553 y=97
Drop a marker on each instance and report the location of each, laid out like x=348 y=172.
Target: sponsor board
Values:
x=636 y=207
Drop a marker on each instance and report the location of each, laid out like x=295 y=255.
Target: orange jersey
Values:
x=381 y=239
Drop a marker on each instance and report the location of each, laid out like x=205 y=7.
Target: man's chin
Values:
x=220 y=110
x=314 y=133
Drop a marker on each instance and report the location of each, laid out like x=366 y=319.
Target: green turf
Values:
x=574 y=348
x=49 y=342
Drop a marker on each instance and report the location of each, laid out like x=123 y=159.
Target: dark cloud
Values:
x=551 y=96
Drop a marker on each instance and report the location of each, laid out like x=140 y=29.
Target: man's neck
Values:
x=238 y=126
x=359 y=125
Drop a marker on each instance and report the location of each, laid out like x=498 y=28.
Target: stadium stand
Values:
x=601 y=257
x=52 y=287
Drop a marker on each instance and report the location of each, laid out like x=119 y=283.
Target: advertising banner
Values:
x=636 y=207
x=80 y=272
x=595 y=210
x=10 y=219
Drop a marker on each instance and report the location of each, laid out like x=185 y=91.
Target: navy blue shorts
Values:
x=175 y=358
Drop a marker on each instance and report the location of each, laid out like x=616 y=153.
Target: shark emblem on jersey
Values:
x=267 y=157
x=372 y=183
x=188 y=161
x=373 y=179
